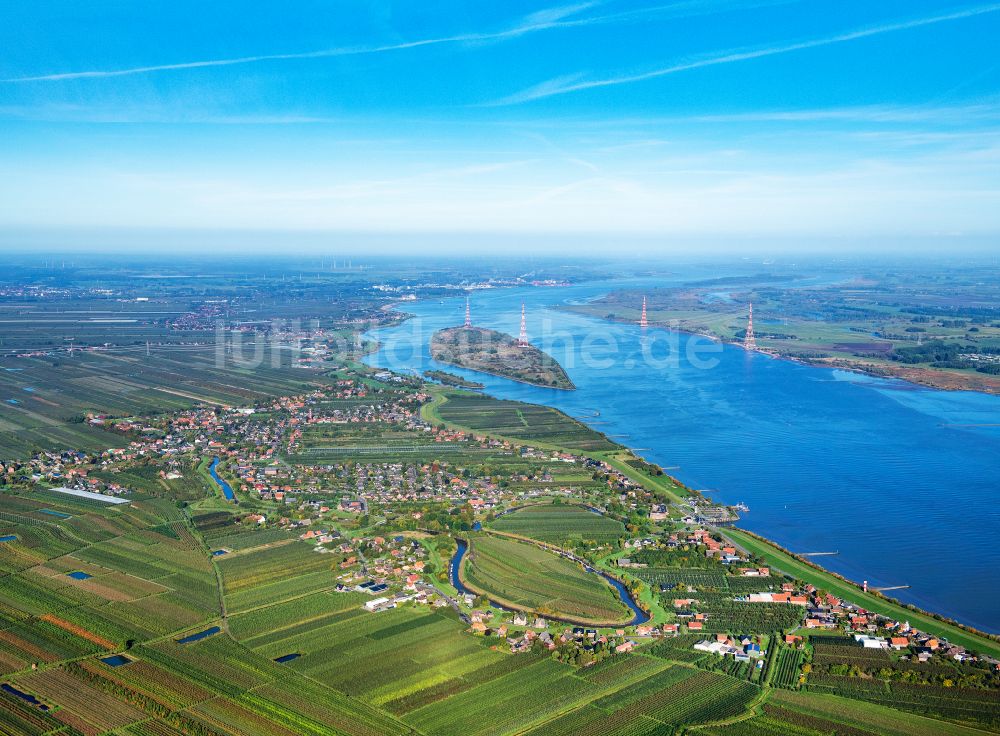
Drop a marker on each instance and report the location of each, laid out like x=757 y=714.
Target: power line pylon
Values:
x=749 y=340
x=522 y=340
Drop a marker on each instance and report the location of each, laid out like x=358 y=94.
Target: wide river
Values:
x=903 y=482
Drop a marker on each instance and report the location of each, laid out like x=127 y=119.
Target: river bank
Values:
x=227 y=490
x=796 y=443
x=935 y=378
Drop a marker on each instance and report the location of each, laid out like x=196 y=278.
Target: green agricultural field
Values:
x=426 y=648
x=540 y=425
x=686 y=576
x=373 y=442
x=295 y=617
x=824 y=713
x=676 y=696
x=563 y=525
x=43 y=400
x=268 y=574
x=143 y=574
x=786 y=668
x=522 y=574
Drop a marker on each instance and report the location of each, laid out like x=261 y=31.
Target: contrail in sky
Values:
x=566 y=84
x=543 y=20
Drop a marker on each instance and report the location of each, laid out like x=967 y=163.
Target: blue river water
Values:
x=901 y=481
x=227 y=490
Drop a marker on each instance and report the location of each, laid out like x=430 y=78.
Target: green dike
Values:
x=429 y=411
x=788 y=563
x=666 y=484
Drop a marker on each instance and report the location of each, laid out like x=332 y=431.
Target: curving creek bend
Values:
x=639 y=616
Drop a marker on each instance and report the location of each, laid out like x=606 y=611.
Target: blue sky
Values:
x=674 y=122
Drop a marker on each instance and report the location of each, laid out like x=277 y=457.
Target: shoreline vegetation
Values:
x=450 y=379
x=499 y=354
x=865 y=345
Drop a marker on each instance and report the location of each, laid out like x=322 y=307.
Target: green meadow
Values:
x=537 y=580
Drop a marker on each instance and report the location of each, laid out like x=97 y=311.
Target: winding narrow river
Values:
x=227 y=490
x=639 y=616
x=903 y=482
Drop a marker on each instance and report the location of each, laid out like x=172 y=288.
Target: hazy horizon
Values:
x=616 y=246
x=728 y=126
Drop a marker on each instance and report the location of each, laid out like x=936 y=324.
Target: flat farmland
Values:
x=828 y=712
x=93 y=579
x=419 y=666
x=528 y=422
x=376 y=442
x=534 y=579
x=43 y=399
x=265 y=575
x=695 y=577
x=349 y=650
x=560 y=524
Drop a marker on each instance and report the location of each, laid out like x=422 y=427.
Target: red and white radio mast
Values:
x=522 y=340
x=642 y=319
x=749 y=341
x=468 y=314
